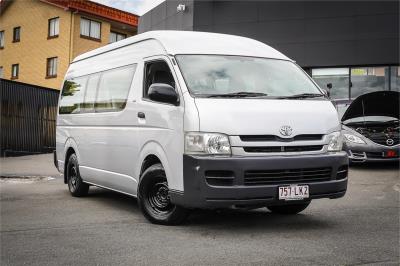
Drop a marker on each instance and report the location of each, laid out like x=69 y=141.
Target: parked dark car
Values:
x=371 y=127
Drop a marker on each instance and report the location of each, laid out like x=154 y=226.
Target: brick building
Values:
x=39 y=38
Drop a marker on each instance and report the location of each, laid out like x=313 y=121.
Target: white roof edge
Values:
x=195 y=43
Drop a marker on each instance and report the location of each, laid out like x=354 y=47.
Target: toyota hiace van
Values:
x=188 y=120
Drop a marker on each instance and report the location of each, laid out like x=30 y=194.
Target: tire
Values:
x=288 y=209
x=76 y=186
x=153 y=198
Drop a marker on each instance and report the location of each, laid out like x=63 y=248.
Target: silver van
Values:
x=186 y=120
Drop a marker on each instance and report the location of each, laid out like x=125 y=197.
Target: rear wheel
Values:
x=289 y=208
x=154 y=201
x=76 y=186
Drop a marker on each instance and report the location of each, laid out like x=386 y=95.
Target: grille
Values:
x=219 y=177
x=283 y=148
x=381 y=139
x=302 y=137
x=266 y=177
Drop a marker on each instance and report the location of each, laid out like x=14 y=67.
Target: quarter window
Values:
x=14 y=71
x=115 y=37
x=54 y=26
x=17 y=34
x=2 y=39
x=90 y=29
x=51 y=69
x=114 y=88
x=72 y=96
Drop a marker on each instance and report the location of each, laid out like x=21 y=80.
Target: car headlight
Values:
x=353 y=138
x=207 y=143
x=335 y=141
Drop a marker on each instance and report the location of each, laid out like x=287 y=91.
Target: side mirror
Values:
x=329 y=85
x=164 y=93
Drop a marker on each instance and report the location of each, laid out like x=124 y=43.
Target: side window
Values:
x=72 y=96
x=157 y=72
x=90 y=96
x=114 y=88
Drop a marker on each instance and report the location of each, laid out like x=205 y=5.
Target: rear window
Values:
x=99 y=92
x=72 y=95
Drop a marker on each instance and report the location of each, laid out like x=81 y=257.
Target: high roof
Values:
x=192 y=42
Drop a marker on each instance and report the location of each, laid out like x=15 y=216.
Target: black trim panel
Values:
x=200 y=194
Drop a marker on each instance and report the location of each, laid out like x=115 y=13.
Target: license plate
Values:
x=294 y=192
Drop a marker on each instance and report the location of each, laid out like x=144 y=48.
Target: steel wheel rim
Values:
x=158 y=198
x=73 y=178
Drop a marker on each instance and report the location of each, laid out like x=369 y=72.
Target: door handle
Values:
x=141 y=115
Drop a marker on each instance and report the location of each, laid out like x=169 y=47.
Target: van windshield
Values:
x=240 y=76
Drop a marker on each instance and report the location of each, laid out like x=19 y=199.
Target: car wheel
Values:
x=288 y=208
x=76 y=186
x=154 y=201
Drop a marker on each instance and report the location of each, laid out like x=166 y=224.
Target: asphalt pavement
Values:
x=41 y=224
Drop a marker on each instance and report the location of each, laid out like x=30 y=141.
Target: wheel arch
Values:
x=69 y=149
x=152 y=153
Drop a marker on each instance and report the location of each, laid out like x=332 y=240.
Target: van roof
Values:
x=192 y=42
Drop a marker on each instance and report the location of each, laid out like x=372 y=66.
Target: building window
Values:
x=90 y=29
x=51 y=69
x=395 y=78
x=1 y=39
x=54 y=25
x=17 y=34
x=14 y=71
x=115 y=36
x=337 y=77
x=1 y=72
x=368 y=79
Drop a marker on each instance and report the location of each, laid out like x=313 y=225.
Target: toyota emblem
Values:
x=389 y=142
x=286 y=131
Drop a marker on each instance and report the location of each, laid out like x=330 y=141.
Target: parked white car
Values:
x=185 y=120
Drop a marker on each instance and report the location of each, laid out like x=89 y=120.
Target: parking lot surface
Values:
x=41 y=224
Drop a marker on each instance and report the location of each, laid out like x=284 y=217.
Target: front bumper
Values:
x=199 y=193
x=360 y=153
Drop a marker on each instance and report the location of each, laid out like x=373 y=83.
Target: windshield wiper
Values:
x=238 y=94
x=302 y=95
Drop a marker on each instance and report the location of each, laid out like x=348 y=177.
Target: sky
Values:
x=138 y=7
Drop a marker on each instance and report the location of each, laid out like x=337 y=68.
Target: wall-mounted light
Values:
x=180 y=8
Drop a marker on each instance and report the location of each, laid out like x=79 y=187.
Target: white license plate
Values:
x=294 y=192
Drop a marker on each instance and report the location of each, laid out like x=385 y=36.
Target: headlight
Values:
x=335 y=142
x=207 y=143
x=355 y=139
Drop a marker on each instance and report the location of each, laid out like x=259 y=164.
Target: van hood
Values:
x=266 y=116
x=379 y=103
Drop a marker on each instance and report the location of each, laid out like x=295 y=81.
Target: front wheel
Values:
x=289 y=208
x=154 y=201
